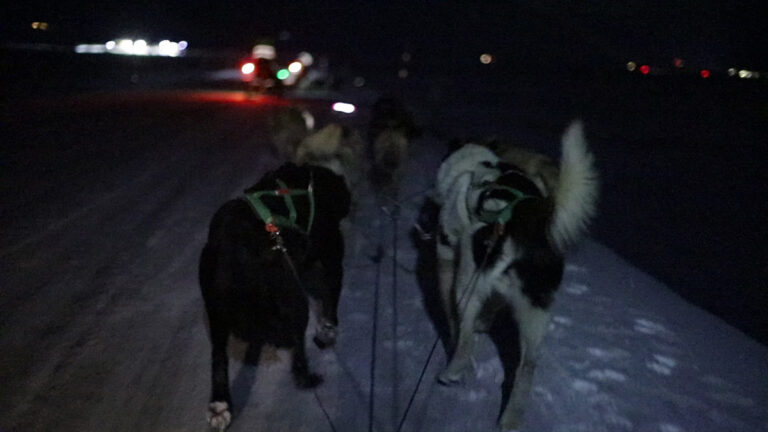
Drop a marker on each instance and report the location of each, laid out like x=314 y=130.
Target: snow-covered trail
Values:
x=102 y=326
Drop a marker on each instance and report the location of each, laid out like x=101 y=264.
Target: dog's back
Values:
x=253 y=288
x=289 y=126
x=390 y=131
x=509 y=233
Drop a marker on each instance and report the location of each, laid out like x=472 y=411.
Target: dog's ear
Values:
x=461 y=186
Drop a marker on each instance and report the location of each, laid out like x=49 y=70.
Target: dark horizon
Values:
x=710 y=34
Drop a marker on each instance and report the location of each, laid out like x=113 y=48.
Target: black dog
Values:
x=252 y=266
x=391 y=130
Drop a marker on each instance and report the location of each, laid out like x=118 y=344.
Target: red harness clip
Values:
x=271 y=228
x=283 y=191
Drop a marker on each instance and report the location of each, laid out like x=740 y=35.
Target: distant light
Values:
x=283 y=74
x=678 y=62
x=359 y=81
x=704 y=73
x=248 y=68
x=402 y=73
x=631 y=66
x=38 y=25
x=90 y=48
x=731 y=72
x=486 y=58
x=306 y=58
x=140 y=47
x=264 y=51
x=344 y=107
x=125 y=45
x=406 y=57
x=745 y=74
x=183 y=45
x=168 y=48
x=295 y=67
x=645 y=69
x=110 y=45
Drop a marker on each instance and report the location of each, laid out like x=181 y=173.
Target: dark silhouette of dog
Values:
x=262 y=294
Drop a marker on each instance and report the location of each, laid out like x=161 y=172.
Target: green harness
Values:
x=273 y=222
x=502 y=216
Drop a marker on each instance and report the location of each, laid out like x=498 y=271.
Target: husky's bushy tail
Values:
x=575 y=197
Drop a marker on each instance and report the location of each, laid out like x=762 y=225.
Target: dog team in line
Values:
x=507 y=216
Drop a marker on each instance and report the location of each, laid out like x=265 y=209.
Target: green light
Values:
x=283 y=74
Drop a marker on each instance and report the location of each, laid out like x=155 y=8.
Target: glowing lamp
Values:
x=704 y=73
x=248 y=68
x=645 y=69
x=295 y=67
x=343 y=107
x=282 y=74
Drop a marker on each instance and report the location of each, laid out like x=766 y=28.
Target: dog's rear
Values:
x=516 y=254
x=337 y=148
x=289 y=127
x=251 y=290
x=390 y=131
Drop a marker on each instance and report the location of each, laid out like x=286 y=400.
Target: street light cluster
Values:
x=140 y=47
x=703 y=73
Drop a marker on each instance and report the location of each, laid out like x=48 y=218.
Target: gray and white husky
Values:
x=503 y=235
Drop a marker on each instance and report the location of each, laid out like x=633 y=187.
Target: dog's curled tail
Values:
x=577 y=189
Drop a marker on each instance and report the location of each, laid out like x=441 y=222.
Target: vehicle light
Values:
x=306 y=58
x=295 y=67
x=704 y=73
x=645 y=69
x=344 y=107
x=248 y=68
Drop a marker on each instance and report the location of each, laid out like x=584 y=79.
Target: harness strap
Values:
x=273 y=221
x=505 y=214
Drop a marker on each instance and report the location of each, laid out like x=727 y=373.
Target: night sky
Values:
x=715 y=33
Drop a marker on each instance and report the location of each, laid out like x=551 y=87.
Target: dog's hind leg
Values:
x=300 y=367
x=219 y=414
x=532 y=324
x=462 y=357
x=333 y=275
x=446 y=273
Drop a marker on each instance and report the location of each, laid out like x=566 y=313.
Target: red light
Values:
x=704 y=73
x=678 y=62
x=645 y=69
x=248 y=68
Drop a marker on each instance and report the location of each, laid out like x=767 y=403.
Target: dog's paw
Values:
x=449 y=377
x=219 y=415
x=510 y=420
x=308 y=381
x=325 y=336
